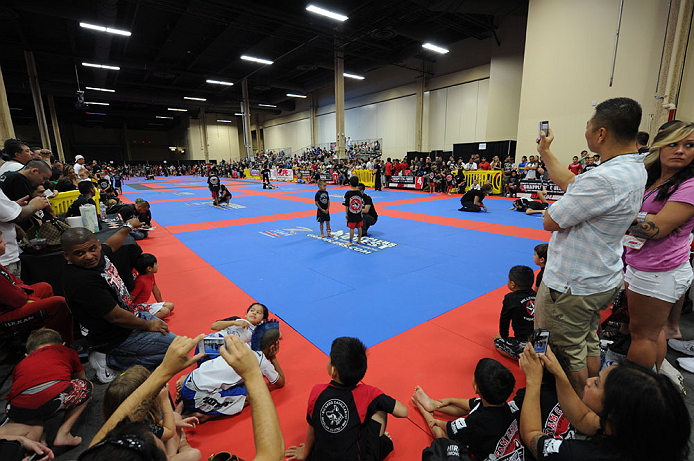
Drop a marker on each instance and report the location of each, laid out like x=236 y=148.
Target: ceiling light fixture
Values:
x=258 y=60
x=219 y=82
x=267 y=105
x=293 y=95
x=240 y=114
x=194 y=98
x=224 y=121
x=177 y=110
x=354 y=76
x=105 y=90
x=162 y=116
x=95 y=113
x=329 y=14
x=105 y=29
x=100 y=66
x=92 y=103
x=432 y=47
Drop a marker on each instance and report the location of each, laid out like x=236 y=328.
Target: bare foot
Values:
x=202 y=417
x=179 y=386
x=66 y=440
x=350 y=243
x=424 y=400
x=322 y=236
x=330 y=235
x=359 y=241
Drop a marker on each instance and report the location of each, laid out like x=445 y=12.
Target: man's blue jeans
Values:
x=144 y=348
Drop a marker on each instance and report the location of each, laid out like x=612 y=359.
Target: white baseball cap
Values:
x=78 y=157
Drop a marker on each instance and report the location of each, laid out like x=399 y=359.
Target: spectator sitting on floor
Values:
x=146 y=286
x=475 y=185
x=513 y=185
x=490 y=419
x=472 y=200
x=369 y=211
x=87 y=191
x=26 y=307
x=50 y=379
x=138 y=210
x=100 y=301
x=517 y=309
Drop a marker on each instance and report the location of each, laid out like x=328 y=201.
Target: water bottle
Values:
x=102 y=210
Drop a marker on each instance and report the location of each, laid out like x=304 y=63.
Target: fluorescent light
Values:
x=95 y=113
x=292 y=95
x=15 y=108
x=326 y=13
x=162 y=116
x=354 y=76
x=100 y=66
x=105 y=29
x=105 y=90
x=224 y=121
x=240 y=114
x=194 y=99
x=97 y=103
x=267 y=105
x=178 y=110
x=432 y=47
x=258 y=60
x=172 y=147
x=219 y=82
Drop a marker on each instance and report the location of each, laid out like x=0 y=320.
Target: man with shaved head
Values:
x=101 y=303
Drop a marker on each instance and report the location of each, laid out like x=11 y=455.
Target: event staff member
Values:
x=472 y=200
x=369 y=211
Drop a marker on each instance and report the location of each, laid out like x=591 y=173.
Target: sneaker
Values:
x=687 y=363
x=103 y=373
x=685 y=347
x=675 y=376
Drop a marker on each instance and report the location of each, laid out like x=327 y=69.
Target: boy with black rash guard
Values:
x=265 y=173
x=472 y=200
x=323 y=204
x=354 y=204
x=213 y=183
x=490 y=429
x=519 y=309
x=347 y=420
x=224 y=195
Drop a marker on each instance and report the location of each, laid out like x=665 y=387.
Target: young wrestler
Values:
x=224 y=195
x=347 y=419
x=213 y=184
x=490 y=427
x=532 y=206
x=146 y=285
x=50 y=379
x=323 y=205
x=354 y=204
x=243 y=328
x=518 y=308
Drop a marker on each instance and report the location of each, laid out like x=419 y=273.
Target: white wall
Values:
x=296 y=134
x=685 y=104
x=222 y=139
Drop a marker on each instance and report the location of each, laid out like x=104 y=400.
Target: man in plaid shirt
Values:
x=584 y=268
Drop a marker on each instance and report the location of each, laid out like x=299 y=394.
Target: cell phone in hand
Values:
x=212 y=345
x=540 y=341
x=543 y=125
x=48 y=193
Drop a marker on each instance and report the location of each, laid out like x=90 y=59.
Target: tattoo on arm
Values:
x=534 y=444
x=647 y=230
x=141 y=410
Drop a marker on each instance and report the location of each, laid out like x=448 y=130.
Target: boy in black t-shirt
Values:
x=490 y=427
x=323 y=205
x=540 y=258
x=265 y=173
x=354 y=204
x=87 y=191
x=472 y=200
x=347 y=420
x=518 y=308
x=213 y=184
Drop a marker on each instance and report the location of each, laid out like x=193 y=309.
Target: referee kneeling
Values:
x=369 y=211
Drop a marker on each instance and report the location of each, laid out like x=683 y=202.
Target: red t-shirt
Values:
x=143 y=288
x=49 y=363
x=485 y=166
x=575 y=168
x=389 y=169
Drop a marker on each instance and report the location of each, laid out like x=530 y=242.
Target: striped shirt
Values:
x=585 y=256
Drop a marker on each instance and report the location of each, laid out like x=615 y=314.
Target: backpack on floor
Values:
x=444 y=449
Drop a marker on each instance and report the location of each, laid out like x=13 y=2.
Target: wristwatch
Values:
x=641 y=217
x=127 y=224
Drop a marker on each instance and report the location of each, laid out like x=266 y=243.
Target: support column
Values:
x=38 y=101
x=419 y=114
x=313 y=108
x=259 y=137
x=126 y=144
x=339 y=100
x=203 y=132
x=56 y=129
x=6 y=127
x=246 y=109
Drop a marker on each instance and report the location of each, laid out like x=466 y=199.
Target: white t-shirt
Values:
x=77 y=168
x=471 y=166
x=242 y=332
x=10 y=165
x=530 y=174
x=9 y=210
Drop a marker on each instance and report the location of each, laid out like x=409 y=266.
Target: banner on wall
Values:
x=529 y=188
x=281 y=174
x=403 y=182
x=306 y=174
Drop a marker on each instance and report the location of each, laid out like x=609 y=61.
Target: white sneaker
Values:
x=687 y=363
x=103 y=373
x=675 y=376
x=685 y=347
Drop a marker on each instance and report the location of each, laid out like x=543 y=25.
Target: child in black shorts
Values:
x=339 y=428
x=354 y=204
x=323 y=205
x=518 y=308
x=490 y=427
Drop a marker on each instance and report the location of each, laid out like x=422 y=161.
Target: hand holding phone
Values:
x=212 y=345
x=542 y=126
x=540 y=340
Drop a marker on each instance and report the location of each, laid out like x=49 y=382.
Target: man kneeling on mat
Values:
x=472 y=200
x=216 y=389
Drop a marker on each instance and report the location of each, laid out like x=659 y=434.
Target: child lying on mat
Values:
x=216 y=389
x=243 y=328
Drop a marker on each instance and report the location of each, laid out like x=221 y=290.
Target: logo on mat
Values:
x=334 y=416
x=274 y=233
x=368 y=244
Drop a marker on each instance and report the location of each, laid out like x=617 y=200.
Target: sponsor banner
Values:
x=329 y=178
x=255 y=172
x=368 y=245
x=403 y=182
x=530 y=187
x=305 y=174
x=281 y=174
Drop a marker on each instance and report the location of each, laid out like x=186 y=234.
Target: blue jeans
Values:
x=144 y=348
x=139 y=234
